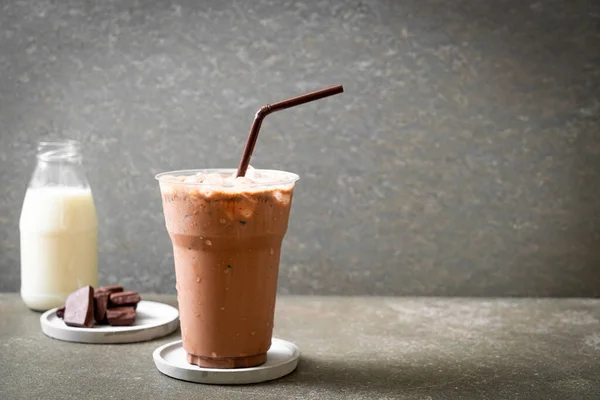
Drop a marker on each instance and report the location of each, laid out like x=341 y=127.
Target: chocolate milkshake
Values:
x=226 y=234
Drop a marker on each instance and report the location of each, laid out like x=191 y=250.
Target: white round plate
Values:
x=282 y=358
x=153 y=320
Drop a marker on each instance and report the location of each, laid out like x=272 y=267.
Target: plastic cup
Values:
x=226 y=245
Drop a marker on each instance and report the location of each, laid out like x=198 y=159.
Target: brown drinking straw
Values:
x=271 y=108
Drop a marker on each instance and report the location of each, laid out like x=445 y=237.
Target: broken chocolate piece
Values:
x=60 y=312
x=123 y=298
x=120 y=316
x=79 y=308
x=110 y=289
x=100 y=306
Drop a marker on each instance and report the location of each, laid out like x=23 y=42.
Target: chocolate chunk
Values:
x=134 y=305
x=60 y=312
x=100 y=306
x=79 y=308
x=120 y=316
x=122 y=298
x=110 y=289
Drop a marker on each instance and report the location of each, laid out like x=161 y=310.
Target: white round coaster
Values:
x=282 y=358
x=153 y=320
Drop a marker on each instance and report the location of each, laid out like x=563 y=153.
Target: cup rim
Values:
x=163 y=177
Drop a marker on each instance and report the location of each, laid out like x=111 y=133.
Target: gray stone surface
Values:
x=463 y=159
x=352 y=348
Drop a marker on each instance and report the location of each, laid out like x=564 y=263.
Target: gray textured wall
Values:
x=463 y=159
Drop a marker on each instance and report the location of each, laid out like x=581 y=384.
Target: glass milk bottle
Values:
x=58 y=228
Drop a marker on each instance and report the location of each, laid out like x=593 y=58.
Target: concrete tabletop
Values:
x=352 y=348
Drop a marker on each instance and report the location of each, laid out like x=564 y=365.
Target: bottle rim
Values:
x=59 y=150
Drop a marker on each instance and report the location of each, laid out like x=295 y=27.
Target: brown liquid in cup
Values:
x=226 y=248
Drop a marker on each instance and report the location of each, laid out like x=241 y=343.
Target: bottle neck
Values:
x=59 y=164
x=63 y=152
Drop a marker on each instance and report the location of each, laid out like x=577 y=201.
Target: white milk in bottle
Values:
x=58 y=228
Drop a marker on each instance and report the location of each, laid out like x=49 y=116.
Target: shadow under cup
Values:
x=226 y=244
